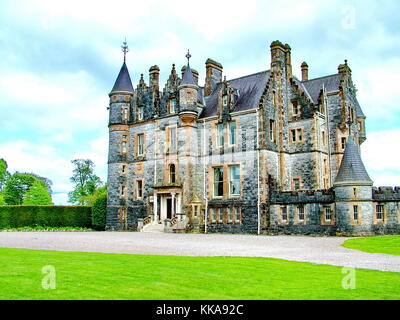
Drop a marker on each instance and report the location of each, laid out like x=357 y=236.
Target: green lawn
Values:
x=123 y=276
x=385 y=244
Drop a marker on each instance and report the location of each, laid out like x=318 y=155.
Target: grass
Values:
x=122 y=276
x=384 y=244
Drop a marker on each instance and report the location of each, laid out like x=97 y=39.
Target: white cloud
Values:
x=381 y=157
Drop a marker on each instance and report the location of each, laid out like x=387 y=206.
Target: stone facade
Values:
x=257 y=154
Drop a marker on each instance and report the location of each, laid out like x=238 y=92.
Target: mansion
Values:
x=266 y=153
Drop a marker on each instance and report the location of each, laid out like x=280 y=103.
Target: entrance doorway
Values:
x=169 y=208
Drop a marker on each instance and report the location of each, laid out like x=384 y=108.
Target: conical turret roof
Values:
x=352 y=170
x=188 y=77
x=123 y=82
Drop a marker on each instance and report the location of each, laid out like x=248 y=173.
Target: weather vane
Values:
x=188 y=56
x=125 y=49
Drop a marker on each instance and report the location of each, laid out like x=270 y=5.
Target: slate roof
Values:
x=123 y=82
x=250 y=89
x=188 y=77
x=314 y=86
x=352 y=170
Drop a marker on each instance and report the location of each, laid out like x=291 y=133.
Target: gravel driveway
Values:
x=321 y=250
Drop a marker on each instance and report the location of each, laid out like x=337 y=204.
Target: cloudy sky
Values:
x=59 y=60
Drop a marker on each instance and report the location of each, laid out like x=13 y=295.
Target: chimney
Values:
x=304 y=71
x=278 y=55
x=213 y=75
x=344 y=68
x=288 y=62
x=154 y=76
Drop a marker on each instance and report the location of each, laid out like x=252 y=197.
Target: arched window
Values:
x=172 y=173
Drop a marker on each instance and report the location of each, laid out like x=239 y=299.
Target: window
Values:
x=301 y=213
x=296 y=108
x=140 y=144
x=328 y=214
x=172 y=106
x=343 y=141
x=172 y=139
x=296 y=135
x=272 y=130
x=234 y=180
x=326 y=166
x=225 y=100
x=379 y=212
x=195 y=211
x=218 y=182
x=355 y=212
x=238 y=215
x=220 y=214
x=123 y=146
x=323 y=138
x=125 y=114
x=355 y=192
x=123 y=168
x=189 y=97
x=140 y=114
x=230 y=214
x=284 y=213
x=139 y=189
x=212 y=215
x=232 y=133
x=172 y=173
x=220 y=135
x=296 y=184
x=122 y=191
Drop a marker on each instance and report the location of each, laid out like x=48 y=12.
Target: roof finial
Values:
x=188 y=56
x=125 y=49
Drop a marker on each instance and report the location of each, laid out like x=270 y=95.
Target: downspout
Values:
x=204 y=177
x=155 y=198
x=258 y=178
x=328 y=133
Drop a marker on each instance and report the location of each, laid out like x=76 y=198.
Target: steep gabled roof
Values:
x=250 y=89
x=352 y=170
x=123 y=82
x=314 y=86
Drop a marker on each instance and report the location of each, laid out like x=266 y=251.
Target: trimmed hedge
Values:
x=99 y=213
x=45 y=216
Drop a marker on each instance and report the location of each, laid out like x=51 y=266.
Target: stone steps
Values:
x=153 y=228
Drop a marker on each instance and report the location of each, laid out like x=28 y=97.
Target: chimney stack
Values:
x=154 y=75
x=213 y=75
x=304 y=71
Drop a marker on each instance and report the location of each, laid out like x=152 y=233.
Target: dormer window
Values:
x=296 y=108
x=140 y=113
x=172 y=106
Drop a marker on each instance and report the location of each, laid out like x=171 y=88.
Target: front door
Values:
x=169 y=208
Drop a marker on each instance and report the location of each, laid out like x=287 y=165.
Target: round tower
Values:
x=121 y=96
x=188 y=95
x=353 y=193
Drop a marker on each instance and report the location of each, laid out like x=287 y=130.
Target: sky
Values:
x=59 y=60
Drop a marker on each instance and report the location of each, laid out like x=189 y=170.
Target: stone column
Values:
x=155 y=209
x=173 y=205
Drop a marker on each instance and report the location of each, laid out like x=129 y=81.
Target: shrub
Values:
x=46 y=216
x=99 y=212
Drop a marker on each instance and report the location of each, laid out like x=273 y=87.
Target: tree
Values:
x=18 y=184
x=99 y=212
x=4 y=174
x=37 y=195
x=84 y=180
